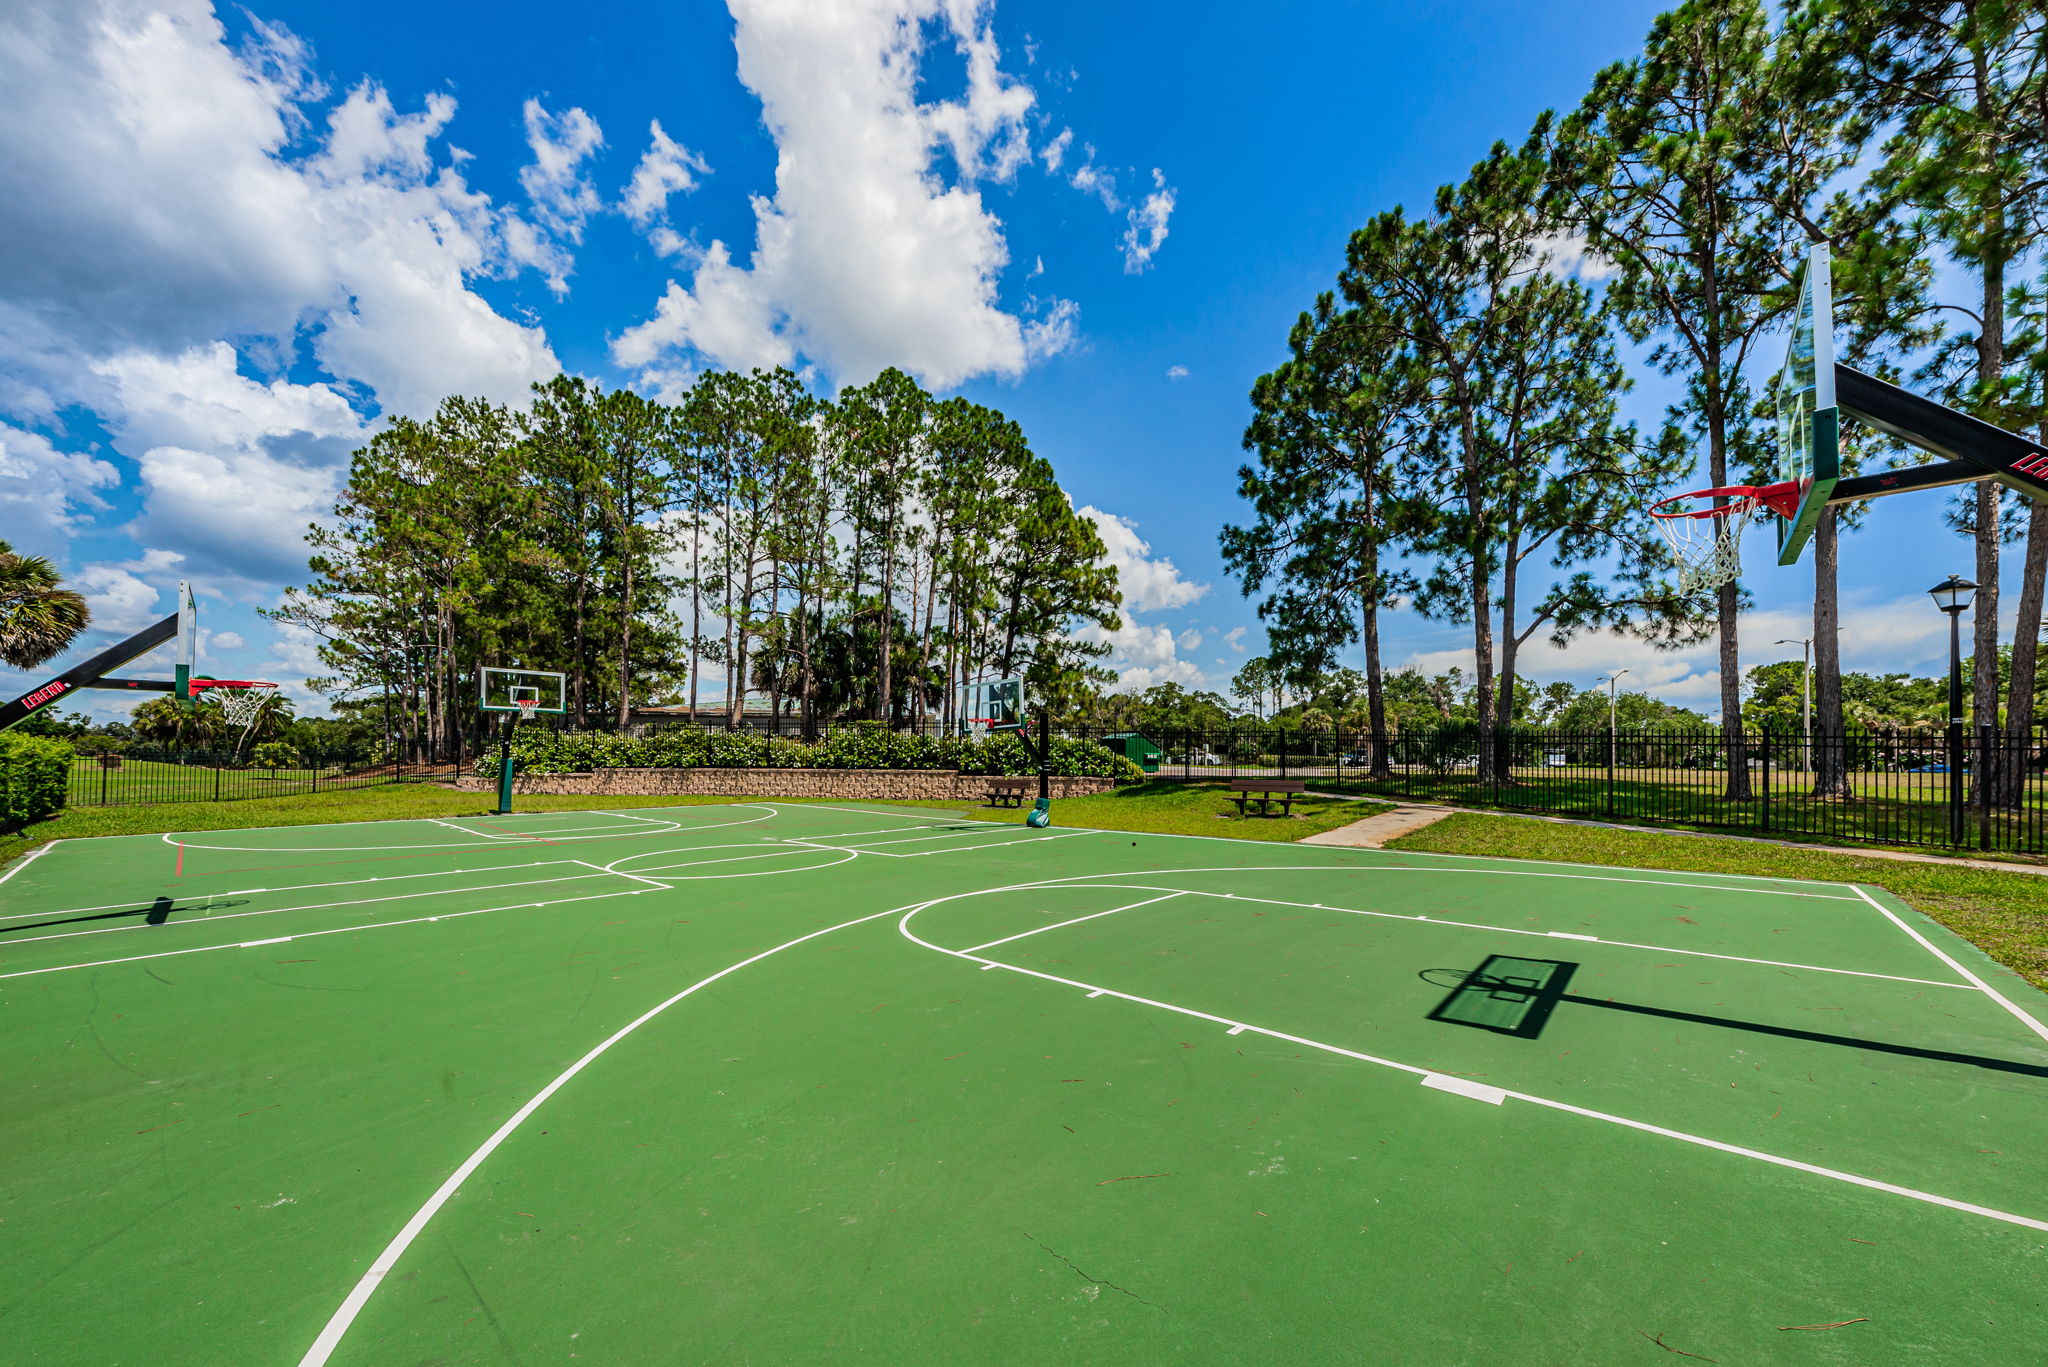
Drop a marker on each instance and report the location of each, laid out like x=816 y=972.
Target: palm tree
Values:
x=38 y=620
x=273 y=718
x=164 y=722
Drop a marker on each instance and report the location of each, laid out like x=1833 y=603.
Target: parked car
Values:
x=1203 y=757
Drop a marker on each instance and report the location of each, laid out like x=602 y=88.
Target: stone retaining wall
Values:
x=866 y=785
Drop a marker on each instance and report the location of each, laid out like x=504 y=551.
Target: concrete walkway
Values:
x=1375 y=831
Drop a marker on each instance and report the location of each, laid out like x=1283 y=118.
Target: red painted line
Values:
x=179 y=871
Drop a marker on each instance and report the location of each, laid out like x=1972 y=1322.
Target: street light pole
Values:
x=1805 y=691
x=1953 y=596
x=1610 y=714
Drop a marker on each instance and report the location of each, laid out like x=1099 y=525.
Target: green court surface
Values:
x=792 y=1084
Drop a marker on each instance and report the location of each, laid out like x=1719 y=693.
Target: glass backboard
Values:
x=992 y=706
x=502 y=690
x=185 y=662
x=1809 y=423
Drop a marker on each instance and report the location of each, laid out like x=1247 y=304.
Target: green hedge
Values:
x=34 y=772
x=539 y=751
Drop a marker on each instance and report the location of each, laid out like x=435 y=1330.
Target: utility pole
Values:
x=1805 y=690
x=1610 y=714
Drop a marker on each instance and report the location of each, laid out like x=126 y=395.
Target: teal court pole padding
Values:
x=505 y=772
x=1041 y=810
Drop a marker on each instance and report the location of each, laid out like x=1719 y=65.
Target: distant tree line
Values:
x=1443 y=432
x=858 y=557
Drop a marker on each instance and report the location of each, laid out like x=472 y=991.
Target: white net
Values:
x=1706 y=543
x=529 y=708
x=240 y=704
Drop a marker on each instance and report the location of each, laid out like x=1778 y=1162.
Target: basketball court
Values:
x=791 y=1083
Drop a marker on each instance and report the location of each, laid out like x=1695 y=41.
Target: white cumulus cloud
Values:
x=666 y=168
x=154 y=196
x=1148 y=583
x=47 y=494
x=1146 y=232
x=868 y=254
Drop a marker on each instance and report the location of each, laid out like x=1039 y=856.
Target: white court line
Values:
x=1567 y=935
x=209 y=918
x=477 y=841
x=978 y=828
x=1854 y=1179
x=1976 y=981
x=975 y=849
x=616 y=874
x=302 y=887
x=1076 y=921
x=892 y=815
x=37 y=853
x=660 y=873
x=351 y=1306
x=333 y=930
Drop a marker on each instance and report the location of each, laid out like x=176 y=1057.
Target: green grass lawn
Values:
x=1170 y=807
x=140 y=781
x=1904 y=808
x=2004 y=914
x=1159 y=808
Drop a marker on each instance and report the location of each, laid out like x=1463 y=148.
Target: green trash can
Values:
x=1135 y=748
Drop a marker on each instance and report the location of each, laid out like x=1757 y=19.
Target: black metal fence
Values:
x=148 y=774
x=1943 y=788
x=1950 y=787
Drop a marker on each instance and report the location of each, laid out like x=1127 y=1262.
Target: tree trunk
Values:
x=1984 y=626
x=696 y=600
x=1830 y=742
x=2026 y=647
x=888 y=633
x=626 y=630
x=1375 y=683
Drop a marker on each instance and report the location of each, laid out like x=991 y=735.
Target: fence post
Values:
x=1282 y=732
x=1610 y=773
x=1987 y=778
x=1955 y=782
x=1763 y=747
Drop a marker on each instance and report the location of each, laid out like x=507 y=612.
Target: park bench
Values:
x=1009 y=792
x=1264 y=791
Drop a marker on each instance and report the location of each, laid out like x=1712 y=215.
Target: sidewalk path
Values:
x=1375 y=831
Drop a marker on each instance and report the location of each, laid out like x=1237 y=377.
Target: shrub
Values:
x=866 y=745
x=276 y=754
x=34 y=772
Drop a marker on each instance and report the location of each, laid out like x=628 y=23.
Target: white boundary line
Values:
x=1570 y=935
x=1237 y=1027
x=479 y=842
x=656 y=875
x=352 y=1305
x=959 y=849
x=314 y=906
x=300 y=887
x=1937 y=952
x=332 y=930
x=616 y=874
x=37 y=853
x=1075 y=922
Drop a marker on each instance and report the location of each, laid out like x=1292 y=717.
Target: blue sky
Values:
x=241 y=237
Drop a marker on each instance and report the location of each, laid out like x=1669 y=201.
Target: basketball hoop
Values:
x=529 y=708
x=240 y=700
x=1706 y=541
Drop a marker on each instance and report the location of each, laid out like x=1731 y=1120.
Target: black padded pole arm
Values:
x=1971 y=448
x=91 y=674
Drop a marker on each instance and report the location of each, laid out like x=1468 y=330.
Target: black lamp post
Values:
x=1953 y=597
